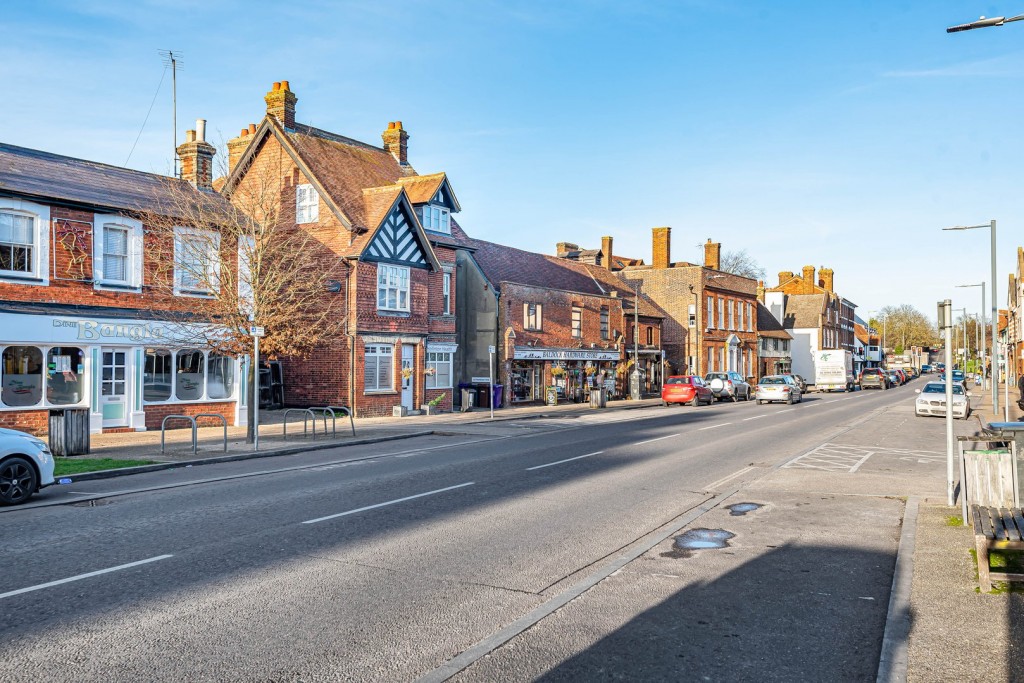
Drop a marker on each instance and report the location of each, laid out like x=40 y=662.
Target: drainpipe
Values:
x=351 y=341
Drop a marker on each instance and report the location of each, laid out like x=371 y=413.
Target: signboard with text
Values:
x=530 y=353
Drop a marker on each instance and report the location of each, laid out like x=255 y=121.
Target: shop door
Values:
x=407 y=364
x=114 y=387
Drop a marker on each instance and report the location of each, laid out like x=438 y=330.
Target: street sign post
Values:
x=256 y=332
x=490 y=377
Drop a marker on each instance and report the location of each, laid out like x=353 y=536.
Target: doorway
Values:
x=408 y=374
x=114 y=387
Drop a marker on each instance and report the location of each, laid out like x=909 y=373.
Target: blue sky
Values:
x=842 y=135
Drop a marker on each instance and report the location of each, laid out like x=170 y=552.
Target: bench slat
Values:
x=1018 y=517
x=997 y=524
x=1012 y=532
x=979 y=528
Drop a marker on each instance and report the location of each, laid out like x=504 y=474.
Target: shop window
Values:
x=220 y=381
x=190 y=375
x=604 y=322
x=441 y=364
x=379 y=371
x=156 y=377
x=392 y=288
x=22 y=376
x=577 y=323
x=65 y=382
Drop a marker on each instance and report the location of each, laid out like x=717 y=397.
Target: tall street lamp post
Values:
x=963 y=323
x=995 y=312
x=981 y=346
x=983 y=23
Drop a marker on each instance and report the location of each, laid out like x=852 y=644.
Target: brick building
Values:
x=711 y=315
x=87 y=321
x=773 y=344
x=396 y=237
x=555 y=323
x=1015 y=323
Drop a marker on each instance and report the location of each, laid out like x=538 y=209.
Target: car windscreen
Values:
x=772 y=380
x=941 y=389
x=717 y=375
x=677 y=380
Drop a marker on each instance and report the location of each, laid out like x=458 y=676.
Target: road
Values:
x=387 y=562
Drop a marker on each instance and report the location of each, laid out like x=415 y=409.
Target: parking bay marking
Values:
x=79 y=577
x=559 y=462
x=390 y=502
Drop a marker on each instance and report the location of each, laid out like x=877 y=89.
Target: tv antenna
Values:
x=173 y=60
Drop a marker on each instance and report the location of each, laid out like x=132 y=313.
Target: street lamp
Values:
x=981 y=347
x=995 y=312
x=984 y=23
x=963 y=318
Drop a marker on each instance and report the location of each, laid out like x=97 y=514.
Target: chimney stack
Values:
x=281 y=104
x=606 y=252
x=713 y=255
x=237 y=146
x=760 y=291
x=196 y=156
x=661 y=246
x=826 y=278
x=563 y=248
x=396 y=141
x=785 y=275
x=808 y=279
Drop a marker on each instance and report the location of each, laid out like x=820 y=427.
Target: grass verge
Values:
x=65 y=466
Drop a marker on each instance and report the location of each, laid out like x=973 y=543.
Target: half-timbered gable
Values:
x=398 y=240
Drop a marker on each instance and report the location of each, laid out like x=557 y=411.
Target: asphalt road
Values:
x=379 y=562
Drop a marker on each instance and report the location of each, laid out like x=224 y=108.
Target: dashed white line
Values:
x=756 y=417
x=714 y=426
x=390 y=502
x=641 y=443
x=559 y=462
x=79 y=577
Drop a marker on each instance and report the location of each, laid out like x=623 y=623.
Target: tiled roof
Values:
x=768 y=326
x=862 y=334
x=803 y=311
x=422 y=188
x=52 y=176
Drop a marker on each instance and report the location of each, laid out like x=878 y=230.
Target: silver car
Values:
x=931 y=400
x=778 y=388
x=728 y=385
x=26 y=466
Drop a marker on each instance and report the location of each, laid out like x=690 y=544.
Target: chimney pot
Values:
x=284 y=85
x=245 y=131
x=277 y=86
x=196 y=156
x=281 y=105
x=201 y=130
x=252 y=128
x=398 y=125
x=190 y=136
x=391 y=125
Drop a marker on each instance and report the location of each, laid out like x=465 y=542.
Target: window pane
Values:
x=156 y=378
x=189 y=376
x=22 y=376
x=64 y=376
x=221 y=382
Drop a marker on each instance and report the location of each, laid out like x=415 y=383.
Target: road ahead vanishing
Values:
x=489 y=553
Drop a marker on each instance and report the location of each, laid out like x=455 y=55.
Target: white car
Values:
x=26 y=465
x=931 y=400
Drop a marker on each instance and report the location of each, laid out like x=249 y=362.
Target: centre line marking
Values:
x=714 y=426
x=51 y=584
x=559 y=462
x=756 y=417
x=641 y=443
x=390 y=502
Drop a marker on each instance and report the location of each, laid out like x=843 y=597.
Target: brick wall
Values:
x=36 y=422
x=156 y=413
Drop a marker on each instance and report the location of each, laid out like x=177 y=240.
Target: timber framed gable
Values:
x=398 y=240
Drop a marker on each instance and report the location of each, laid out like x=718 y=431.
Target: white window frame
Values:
x=397 y=279
x=721 y=313
x=538 y=317
x=436 y=218
x=133 y=267
x=577 y=322
x=711 y=313
x=376 y=352
x=732 y=314
x=307 y=204
x=40 y=215
x=446 y=293
x=443 y=358
x=212 y=239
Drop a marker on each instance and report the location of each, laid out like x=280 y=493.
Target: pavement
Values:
x=938 y=626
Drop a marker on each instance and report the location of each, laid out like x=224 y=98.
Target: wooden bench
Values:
x=996 y=529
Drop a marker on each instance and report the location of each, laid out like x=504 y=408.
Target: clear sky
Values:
x=842 y=135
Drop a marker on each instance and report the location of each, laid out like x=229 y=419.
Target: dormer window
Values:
x=436 y=218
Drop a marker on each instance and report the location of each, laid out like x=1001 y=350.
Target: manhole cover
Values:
x=699 y=539
x=740 y=509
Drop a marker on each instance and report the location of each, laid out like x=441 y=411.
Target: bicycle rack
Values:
x=306 y=414
x=192 y=420
x=332 y=411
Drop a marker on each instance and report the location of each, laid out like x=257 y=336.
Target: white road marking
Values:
x=390 y=502
x=861 y=461
x=756 y=417
x=539 y=467
x=51 y=584
x=641 y=443
x=716 y=484
x=714 y=426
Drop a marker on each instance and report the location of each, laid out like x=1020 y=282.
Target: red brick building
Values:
x=395 y=233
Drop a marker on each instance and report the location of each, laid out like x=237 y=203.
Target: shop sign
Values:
x=91 y=330
x=530 y=353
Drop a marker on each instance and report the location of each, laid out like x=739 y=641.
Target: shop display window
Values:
x=156 y=378
x=221 y=379
x=22 y=376
x=190 y=375
x=65 y=375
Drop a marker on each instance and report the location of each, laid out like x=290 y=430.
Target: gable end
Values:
x=397 y=242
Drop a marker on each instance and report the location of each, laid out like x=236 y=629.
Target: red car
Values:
x=686 y=389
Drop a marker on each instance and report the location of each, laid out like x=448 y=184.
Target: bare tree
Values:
x=905 y=326
x=742 y=263
x=224 y=267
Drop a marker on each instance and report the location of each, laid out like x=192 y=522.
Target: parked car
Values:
x=925 y=369
x=728 y=385
x=931 y=400
x=26 y=465
x=800 y=381
x=874 y=378
x=778 y=388
x=686 y=389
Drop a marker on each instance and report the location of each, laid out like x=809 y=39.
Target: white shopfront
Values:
x=114 y=367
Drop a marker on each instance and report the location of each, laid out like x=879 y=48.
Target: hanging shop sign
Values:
x=531 y=353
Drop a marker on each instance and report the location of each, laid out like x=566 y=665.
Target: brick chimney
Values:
x=760 y=291
x=396 y=141
x=196 y=156
x=606 y=252
x=785 y=275
x=237 y=146
x=808 y=279
x=563 y=248
x=661 y=246
x=281 y=104
x=713 y=255
x=826 y=278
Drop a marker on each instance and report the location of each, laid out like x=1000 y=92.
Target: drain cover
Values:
x=94 y=503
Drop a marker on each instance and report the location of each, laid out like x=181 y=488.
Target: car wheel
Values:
x=696 y=401
x=746 y=396
x=760 y=402
x=18 y=481
x=735 y=398
x=789 y=401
